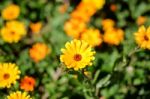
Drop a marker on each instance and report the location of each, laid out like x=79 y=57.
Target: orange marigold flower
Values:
x=84 y=11
x=39 y=51
x=113 y=7
x=107 y=24
x=36 y=27
x=27 y=83
x=141 y=20
x=80 y=16
x=11 y=12
x=92 y=36
x=142 y=37
x=74 y=27
x=113 y=36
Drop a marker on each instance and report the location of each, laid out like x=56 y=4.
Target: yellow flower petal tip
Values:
x=19 y=95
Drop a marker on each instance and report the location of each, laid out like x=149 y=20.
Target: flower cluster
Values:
x=112 y=35
x=8 y=76
x=14 y=30
x=76 y=25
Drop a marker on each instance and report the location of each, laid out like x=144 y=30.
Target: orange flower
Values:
x=36 y=27
x=11 y=12
x=27 y=83
x=39 y=51
x=113 y=7
x=84 y=11
x=113 y=36
x=80 y=16
x=141 y=20
x=107 y=24
x=74 y=27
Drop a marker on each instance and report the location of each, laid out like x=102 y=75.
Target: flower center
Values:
x=146 y=38
x=29 y=83
x=6 y=76
x=77 y=57
x=12 y=33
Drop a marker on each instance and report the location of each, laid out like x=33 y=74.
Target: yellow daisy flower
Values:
x=98 y=3
x=19 y=95
x=142 y=37
x=113 y=36
x=11 y=12
x=77 y=54
x=92 y=36
x=9 y=73
x=13 y=31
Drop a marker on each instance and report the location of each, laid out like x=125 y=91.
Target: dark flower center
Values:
x=6 y=76
x=29 y=83
x=12 y=32
x=146 y=38
x=77 y=57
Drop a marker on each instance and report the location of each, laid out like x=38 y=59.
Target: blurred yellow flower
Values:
x=107 y=24
x=13 y=31
x=74 y=27
x=36 y=27
x=77 y=54
x=141 y=20
x=98 y=3
x=92 y=36
x=11 y=12
x=9 y=73
x=19 y=95
x=39 y=51
x=142 y=37
x=113 y=36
